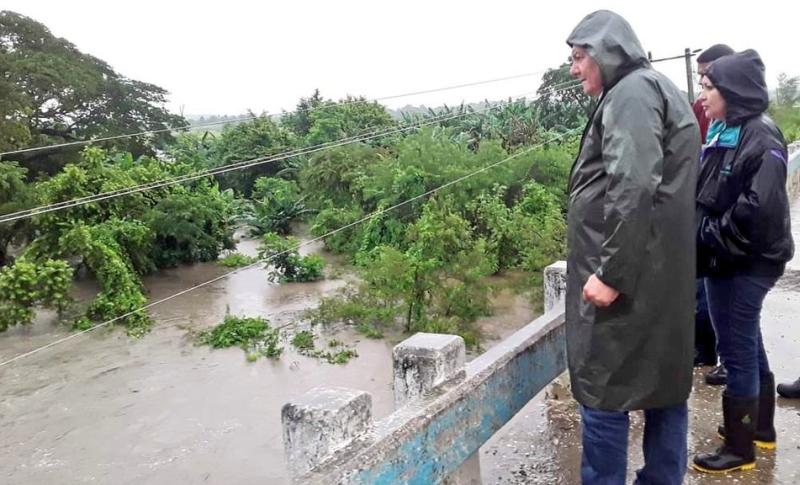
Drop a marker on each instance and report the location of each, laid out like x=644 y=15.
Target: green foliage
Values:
x=15 y=195
x=303 y=341
x=51 y=93
x=331 y=121
x=26 y=284
x=275 y=204
x=562 y=108
x=286 y=263
x=788 y=120
x=786 y=108
x=252 y=334
x=346 y=241
x=236 y=260
x=340 y=357
x=190 y=225
x=101 y=248
x=514 y=123
x=256 y=139
x=299 y=121
x=235 y=331
x=361 y=309
x=788 y=92
x=334 y=177
x=122 y=238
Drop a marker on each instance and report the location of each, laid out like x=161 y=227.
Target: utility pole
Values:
x=687 y=54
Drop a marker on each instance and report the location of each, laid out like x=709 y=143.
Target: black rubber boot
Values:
x=717 y=376
x=765 y=436
x=738 y=452
x=790 y=391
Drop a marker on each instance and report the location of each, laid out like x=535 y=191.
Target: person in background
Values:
x=743 y=244
x=705 y=341
x=631 y=237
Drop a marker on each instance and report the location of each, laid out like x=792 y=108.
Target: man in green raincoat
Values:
x=631 y=263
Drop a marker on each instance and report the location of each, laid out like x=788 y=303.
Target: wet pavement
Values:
x=541 y=444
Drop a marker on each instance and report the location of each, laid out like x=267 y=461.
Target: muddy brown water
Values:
x=105 y=408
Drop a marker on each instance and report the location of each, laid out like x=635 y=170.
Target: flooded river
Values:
x=105 y=408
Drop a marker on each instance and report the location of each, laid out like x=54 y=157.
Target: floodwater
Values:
x=105 y=408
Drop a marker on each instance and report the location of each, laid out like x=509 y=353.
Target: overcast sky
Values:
x=231 y=56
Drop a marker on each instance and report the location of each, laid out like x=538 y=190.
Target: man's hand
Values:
x=598 y=293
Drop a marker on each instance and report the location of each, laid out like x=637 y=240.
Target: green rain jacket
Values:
x=631 y=222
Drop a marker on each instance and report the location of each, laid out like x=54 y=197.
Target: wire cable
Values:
x=26 y=213
x=248 y=118
x=295 y=248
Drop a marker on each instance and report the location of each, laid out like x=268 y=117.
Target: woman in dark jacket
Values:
x=744 y=242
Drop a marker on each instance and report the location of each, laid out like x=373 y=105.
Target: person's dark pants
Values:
x=705 y=340
x=605 y=446
x=735 y=307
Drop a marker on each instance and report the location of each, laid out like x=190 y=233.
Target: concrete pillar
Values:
x=555 y=285
x=320 y=422
x=555 y=291
x=424 y=361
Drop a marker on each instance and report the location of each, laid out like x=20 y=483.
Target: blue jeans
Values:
x=605 y=446
x=735 y=307
x=705 y=341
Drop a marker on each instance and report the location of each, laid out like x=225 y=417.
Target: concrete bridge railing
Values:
x=793 y=179
x=445 y=409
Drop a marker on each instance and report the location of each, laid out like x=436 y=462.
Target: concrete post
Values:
x=320 y=422
x=555 y=285
x=424 y=361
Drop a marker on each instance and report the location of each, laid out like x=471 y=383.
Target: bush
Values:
x=286 y=263
x=252 y=334
x=236 y=260
x=25 y=284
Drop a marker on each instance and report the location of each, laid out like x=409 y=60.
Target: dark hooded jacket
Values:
x=742 y=205
x=631 y=222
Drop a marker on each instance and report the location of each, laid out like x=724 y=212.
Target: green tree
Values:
x=299 y=121
x=190 y=225
x=15 y=195
x=286 y=263
x=25 y=285
x=250 y=140
x=561 y=107
x=275 y=204
x=54 y=93
x=331 y=121
x=105 y=249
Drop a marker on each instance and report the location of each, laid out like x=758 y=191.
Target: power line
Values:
x=26 y=213
x=325 y=106
x=248 y=118
x=295 y=248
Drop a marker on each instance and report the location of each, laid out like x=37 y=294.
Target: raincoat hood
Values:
x=611 y=42
x=740 y=79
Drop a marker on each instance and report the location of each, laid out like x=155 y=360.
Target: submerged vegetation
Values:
x=421 y=250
